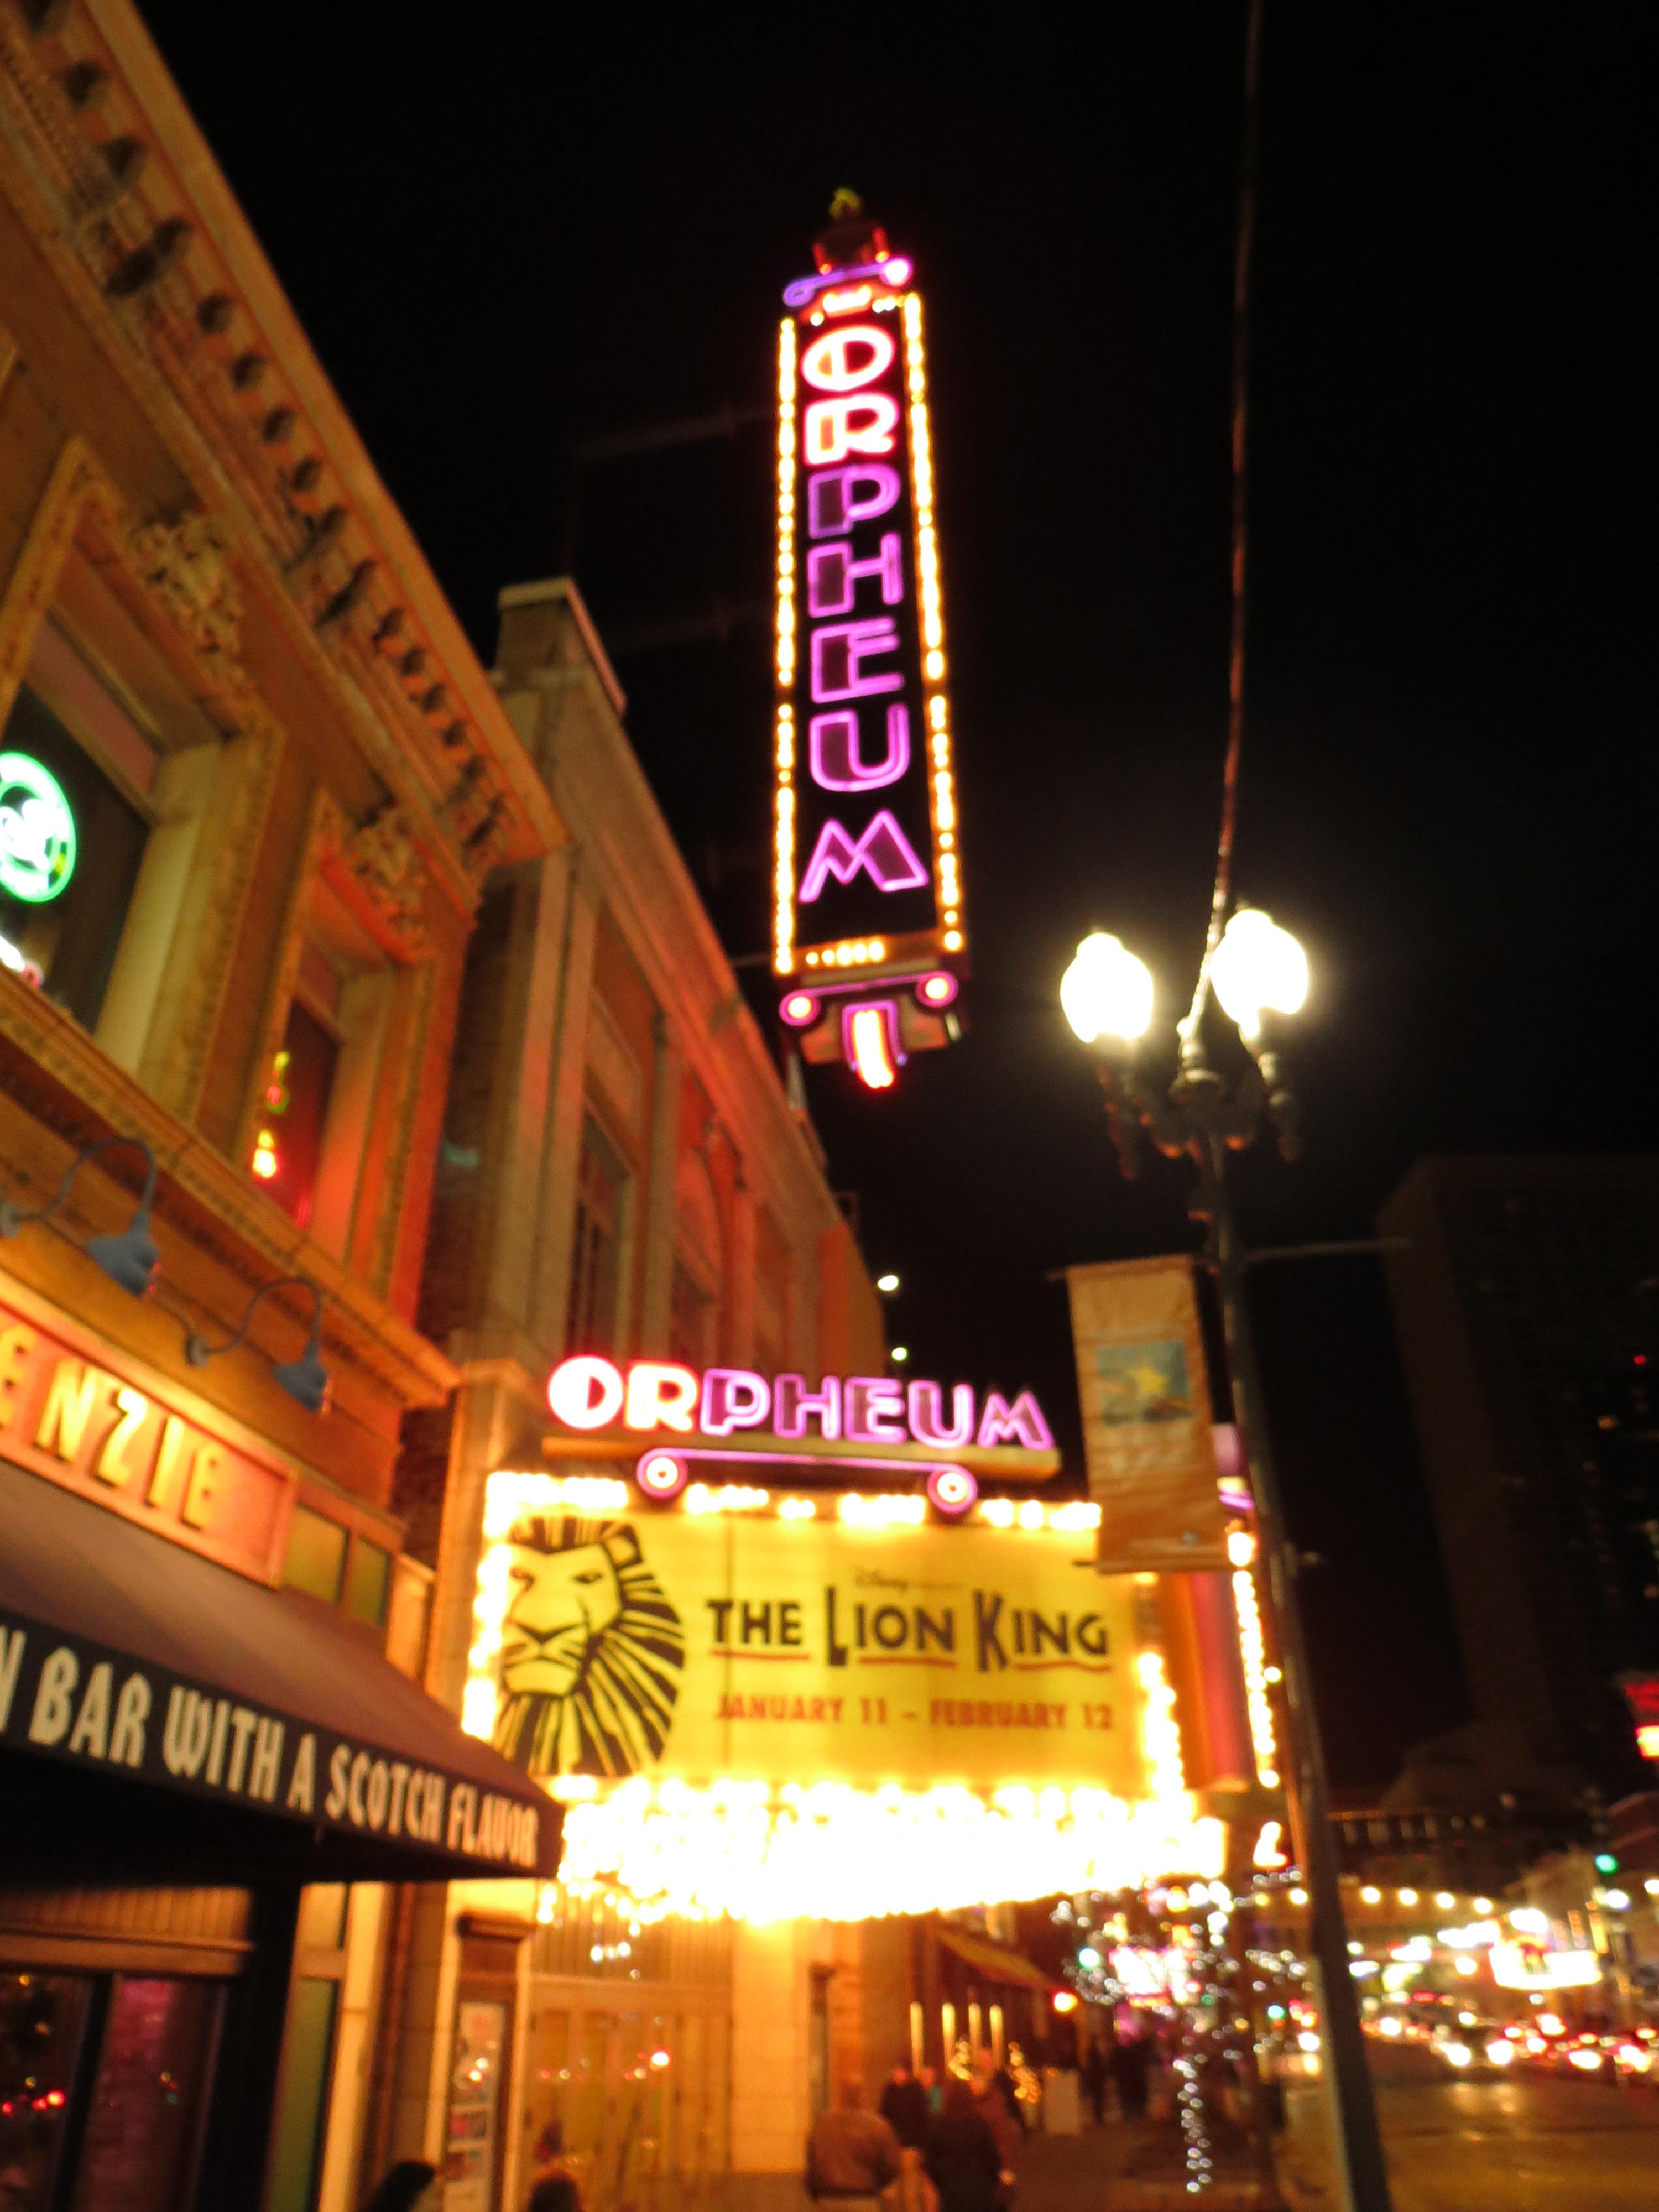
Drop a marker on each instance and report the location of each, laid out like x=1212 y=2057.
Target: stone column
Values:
x=657 y=1292
x=561 y=1134
x=740 y=1278
x=527 y=1070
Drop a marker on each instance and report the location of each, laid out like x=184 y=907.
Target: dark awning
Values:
x=130 y=1659
x=995 y=1962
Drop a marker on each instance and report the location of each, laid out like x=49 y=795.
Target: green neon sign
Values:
x=36 y=830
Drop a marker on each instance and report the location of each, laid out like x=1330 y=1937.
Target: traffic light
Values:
x=1606 y=1863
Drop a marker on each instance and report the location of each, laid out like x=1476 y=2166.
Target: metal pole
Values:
x=1344 y=2070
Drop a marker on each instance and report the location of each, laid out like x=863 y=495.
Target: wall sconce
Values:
x=130 y=1258
x=306 y=1379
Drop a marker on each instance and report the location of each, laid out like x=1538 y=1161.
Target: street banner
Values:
x=750 y=1647
x=1145 y=1402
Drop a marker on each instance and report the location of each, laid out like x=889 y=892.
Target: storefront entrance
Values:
x=104 y=2087
x=639 y=2096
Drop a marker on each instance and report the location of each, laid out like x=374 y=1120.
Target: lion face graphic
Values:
x=592 y=1651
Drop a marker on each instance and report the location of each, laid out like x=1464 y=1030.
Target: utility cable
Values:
x=1243 y=255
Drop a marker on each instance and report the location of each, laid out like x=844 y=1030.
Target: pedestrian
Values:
x=409 y=2187
x=1131 y=2056
x=904 y=2107
x=1006 y=2130
x=557 y=2192
x=852 y=2155
x=1094 y=2081
x=935 y=2093
x=554 y=2187
x=961 y=2154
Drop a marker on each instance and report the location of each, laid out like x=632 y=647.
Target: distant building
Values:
x=1526 y=1311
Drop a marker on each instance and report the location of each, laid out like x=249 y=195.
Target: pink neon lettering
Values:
x=833 y=428
x=733 y=1398
x=839 y=651
x=838 y=498
x=875 y=1410
x=837 y=763
x=828 y=363
x=927 y=1414
x=883 y=849
x=832 y=575
x=661 y=1394
x=1022 y=1422
x=793 y=1405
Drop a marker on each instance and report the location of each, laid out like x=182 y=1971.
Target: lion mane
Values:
x=616 y=1719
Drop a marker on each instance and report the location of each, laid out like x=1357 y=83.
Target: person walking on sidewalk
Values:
x=852 y=2155
x=961 y=2156
x=1094 y=2081
x=904 y=2108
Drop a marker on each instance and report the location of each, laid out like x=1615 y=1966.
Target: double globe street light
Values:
x=1258 y=973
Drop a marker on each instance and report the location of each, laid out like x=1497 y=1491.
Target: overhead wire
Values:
x=1243 y=258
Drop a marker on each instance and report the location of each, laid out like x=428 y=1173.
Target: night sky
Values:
x=510 y=229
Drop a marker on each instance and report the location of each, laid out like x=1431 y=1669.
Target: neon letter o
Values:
x=585 y=1393
x=828 y=363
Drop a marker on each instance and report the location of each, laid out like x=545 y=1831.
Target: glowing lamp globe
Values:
x=1258 y=967
x=1106 y=991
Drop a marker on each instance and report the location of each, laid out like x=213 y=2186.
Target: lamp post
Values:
x=1260 y=974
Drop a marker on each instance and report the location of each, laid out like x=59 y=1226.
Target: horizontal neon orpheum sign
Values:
x=869 y=936
x=660 y=1399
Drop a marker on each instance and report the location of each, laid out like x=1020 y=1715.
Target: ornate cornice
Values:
x=123 y=197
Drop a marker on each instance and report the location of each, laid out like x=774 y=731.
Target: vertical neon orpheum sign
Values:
x=869 y=939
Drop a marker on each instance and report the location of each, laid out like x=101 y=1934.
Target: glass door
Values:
x=104 y=2087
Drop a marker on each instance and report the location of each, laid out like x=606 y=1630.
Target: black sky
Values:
x=510 y=228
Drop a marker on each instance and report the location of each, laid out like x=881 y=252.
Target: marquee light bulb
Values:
x=1258 y=966
x=1106 y=991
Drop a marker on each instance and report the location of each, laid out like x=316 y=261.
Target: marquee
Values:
x=771 y=1704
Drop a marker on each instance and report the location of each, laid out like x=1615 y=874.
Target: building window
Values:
x=593 y=1259
x=316 y=1555
x=288 y=1148
x=312 y=1124
x=70 y=848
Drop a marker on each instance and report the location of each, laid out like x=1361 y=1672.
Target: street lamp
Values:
x=1260 y=974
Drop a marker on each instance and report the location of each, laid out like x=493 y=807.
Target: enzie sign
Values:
x=86 y=1423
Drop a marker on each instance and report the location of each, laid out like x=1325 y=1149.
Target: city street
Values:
x=1522 y=2145
x=1525 y=2145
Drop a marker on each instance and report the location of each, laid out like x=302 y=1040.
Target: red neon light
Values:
x=585 y=1393
x=951 y=1490
x=661 y=1475
x=833 y=428
x=872 y=1061
x=830 y=364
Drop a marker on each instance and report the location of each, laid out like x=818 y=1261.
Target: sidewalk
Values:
x=1085 y=2174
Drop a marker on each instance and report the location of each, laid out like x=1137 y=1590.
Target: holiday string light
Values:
x=1252 y=1650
